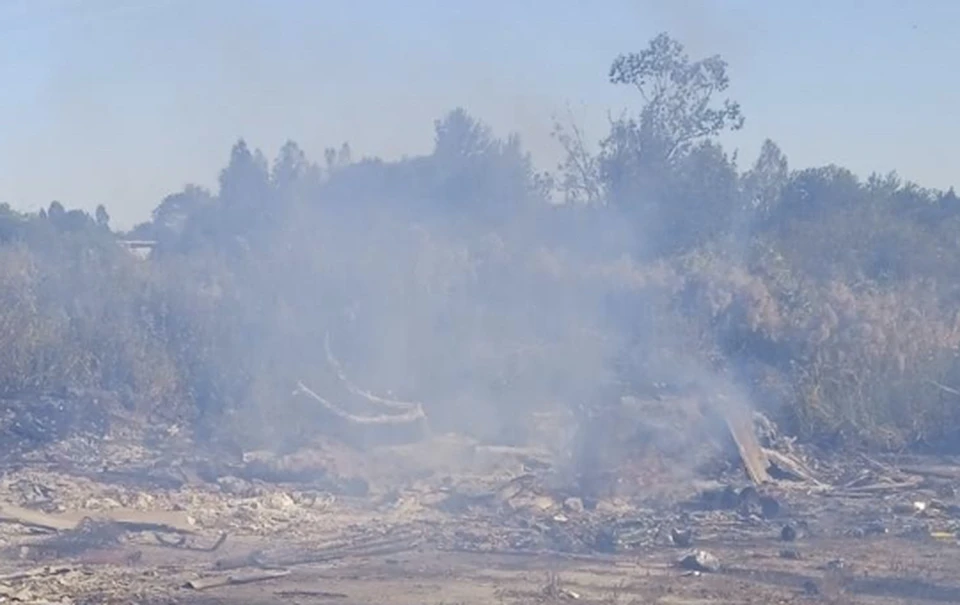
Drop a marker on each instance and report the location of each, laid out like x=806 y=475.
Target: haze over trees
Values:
x=457 y=279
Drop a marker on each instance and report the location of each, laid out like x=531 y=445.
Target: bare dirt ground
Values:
x=446 y=520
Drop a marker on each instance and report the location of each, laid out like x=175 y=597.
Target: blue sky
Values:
x=122 y=101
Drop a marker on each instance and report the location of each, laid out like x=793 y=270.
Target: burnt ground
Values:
x=887 y=571
x=109 y=520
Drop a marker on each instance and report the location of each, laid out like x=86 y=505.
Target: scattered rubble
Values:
x=83 y=519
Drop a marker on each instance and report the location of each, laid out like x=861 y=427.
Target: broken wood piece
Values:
x=129 y=520
x=752 y=455
x=236 y=580
x=791 y=467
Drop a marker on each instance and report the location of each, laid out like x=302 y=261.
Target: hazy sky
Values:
x=123 y=101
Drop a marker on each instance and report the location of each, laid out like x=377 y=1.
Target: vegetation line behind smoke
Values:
x=456 y=280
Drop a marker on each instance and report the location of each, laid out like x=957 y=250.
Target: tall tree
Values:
x=678 y=97
x=171 y=215
x=102 y=217
x=478 y=173
x=765 y=181
x=245 y=182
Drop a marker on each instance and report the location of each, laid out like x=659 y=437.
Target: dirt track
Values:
x=881 y=570
x=755 y=575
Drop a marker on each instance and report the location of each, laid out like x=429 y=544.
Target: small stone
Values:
x=699 y=560
x=769 y=507
x=573 y=505
x=788 y=533
x=681 y=537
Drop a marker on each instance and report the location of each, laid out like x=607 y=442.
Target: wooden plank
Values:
x=131 y=520
x=754 y=459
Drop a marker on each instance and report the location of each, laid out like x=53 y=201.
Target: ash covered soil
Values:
x=125 y=517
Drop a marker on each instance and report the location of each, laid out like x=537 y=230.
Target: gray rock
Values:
x=234 y=486
x=699 y=560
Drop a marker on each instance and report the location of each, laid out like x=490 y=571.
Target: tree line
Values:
x=470 y=280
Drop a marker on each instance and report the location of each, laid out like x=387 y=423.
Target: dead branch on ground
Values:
x=413 y=415
x=406 y=406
